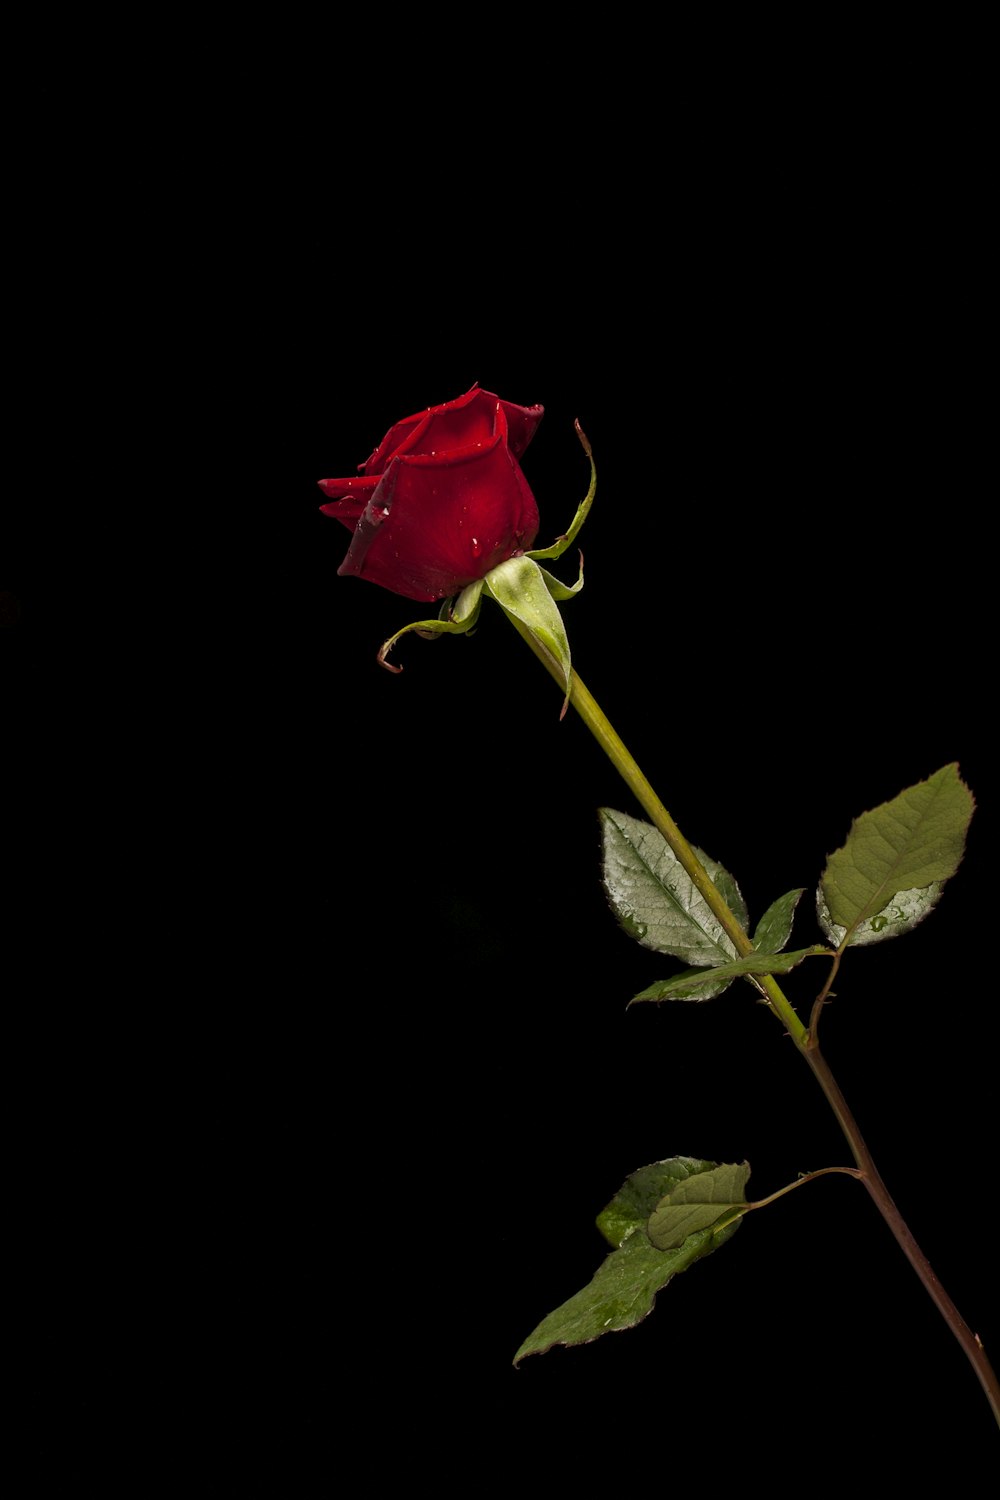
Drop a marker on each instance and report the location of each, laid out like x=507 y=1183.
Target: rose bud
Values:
x=442 y=500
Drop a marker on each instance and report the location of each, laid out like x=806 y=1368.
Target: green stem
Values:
x=613 y=746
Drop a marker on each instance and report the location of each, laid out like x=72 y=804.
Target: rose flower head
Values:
x=442 y=500
x=441 y=510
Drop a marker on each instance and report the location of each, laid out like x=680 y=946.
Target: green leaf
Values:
x=642 y=1191
x=726 y=886
x=655 y=899
x=698 y=984
x=775 y=926
x=899 y=849
x=699 y=1203
x=624 y=1289
x=690 y=984
x=902 y=914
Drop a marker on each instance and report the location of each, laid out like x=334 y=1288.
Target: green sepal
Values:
x=560 y=590
x=455 y=618
x=559 y=546
x=519 y=587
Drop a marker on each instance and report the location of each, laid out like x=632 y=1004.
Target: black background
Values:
x=354 y=1073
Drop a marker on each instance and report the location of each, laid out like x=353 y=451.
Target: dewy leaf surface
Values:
x=641 y=1191
x=697 y=1204
x=914 y=841
x=655 y=899
x=624 y=1289
x=902 y=914
x=775 y=926
x=695 y=984
x=689 y=984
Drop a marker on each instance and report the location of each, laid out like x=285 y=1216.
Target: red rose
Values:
x=442 y=500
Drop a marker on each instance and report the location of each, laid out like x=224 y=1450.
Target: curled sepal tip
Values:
x=559 y=546
x=560 y=590
x=457 y=616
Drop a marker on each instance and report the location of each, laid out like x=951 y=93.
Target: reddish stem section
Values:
x=974 y=1351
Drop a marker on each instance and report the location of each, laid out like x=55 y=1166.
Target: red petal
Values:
x=521 y=424
x=464 y=423
x=436 y=523
x=404 y=435
x=349 y=496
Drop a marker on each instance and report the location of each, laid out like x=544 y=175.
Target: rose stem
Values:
x=611 y=743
